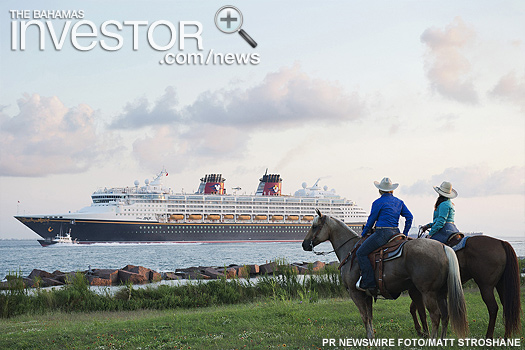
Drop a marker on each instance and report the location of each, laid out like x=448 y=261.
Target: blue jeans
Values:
x=380 y=237
x=445 y=232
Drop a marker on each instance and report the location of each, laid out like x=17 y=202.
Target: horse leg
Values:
x=431 y=302
x=364 y=305
x=370 y=331
x=443 y=308
x=418 y=306
x=487 y=294
x=413 y=312
x=500 y=287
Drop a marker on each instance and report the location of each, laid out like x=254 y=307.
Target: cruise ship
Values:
x=153 y=213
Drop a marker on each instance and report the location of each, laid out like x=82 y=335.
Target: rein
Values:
x=319 y=228
x=420 y=232
x=324 y=253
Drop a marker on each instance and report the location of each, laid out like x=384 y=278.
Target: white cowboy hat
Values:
x=386 y=185
x=446 y=190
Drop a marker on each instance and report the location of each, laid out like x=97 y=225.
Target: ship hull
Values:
x=94 y=231
x=45 y=242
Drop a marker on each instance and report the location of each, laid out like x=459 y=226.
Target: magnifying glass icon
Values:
x=229 y=20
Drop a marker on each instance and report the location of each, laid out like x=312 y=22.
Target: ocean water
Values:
x=26 y=255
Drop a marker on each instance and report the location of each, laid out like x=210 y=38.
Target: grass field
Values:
x=271 y=324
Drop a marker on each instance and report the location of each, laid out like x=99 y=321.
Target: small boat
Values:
x=59 y=238
x=261 y=217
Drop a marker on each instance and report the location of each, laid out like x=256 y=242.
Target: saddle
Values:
x=457 y=241
x=454 y=239
x=391 y=250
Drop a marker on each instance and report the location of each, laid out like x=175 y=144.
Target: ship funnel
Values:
x=269 y=185
x=212 y=184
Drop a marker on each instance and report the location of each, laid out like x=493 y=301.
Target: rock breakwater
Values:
x=140 y=275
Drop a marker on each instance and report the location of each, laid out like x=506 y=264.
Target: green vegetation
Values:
x=273 y=324
x=76 y=296
x=281 y=311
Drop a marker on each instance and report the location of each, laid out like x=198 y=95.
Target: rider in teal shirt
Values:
x=443 y=225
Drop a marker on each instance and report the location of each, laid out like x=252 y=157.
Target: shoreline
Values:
x=139 y=275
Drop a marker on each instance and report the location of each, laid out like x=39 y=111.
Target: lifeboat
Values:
x=177 y=217
x=261 y=217
x=195 y=217
x=243 y=217
x=228 y=216
x=213 y=217
x=292 y=217
x=277 y=217
x=308 y=217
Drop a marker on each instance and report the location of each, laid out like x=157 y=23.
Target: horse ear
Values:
x=318 y=212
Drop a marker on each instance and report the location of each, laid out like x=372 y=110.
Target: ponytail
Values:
x=440 y=200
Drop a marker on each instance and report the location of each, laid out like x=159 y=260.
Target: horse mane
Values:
x=342 y=224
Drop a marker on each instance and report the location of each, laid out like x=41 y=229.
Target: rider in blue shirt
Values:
x=443 y=225
x=385 y=214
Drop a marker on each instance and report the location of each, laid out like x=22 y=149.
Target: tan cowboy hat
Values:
x=446 y=190
x=386 y=185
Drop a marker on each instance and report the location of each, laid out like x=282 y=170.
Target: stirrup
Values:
x=358 y=285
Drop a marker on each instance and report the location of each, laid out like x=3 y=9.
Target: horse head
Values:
x=318 y=233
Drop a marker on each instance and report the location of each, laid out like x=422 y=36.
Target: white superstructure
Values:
x=154 y=202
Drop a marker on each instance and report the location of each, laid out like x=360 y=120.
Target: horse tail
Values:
x=511 y=292
x=457 y=307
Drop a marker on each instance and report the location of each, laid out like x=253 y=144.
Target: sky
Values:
x=345 y=91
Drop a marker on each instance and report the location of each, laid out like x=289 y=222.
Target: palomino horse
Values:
x=491 y=263
x=425 y=265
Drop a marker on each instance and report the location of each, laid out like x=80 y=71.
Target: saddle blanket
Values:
x=461 y=244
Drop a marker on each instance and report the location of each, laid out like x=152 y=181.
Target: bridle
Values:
x=318 y=229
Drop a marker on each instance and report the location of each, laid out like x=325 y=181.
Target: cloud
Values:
x=446 y=123
x=446 y=66
x=474 y=181
x=511 y=87
x=187 y=148
x=285 y=98
x=140 y=113
x=219 y=124
x=47 y=137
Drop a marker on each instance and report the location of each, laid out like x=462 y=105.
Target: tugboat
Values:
x=59 y=238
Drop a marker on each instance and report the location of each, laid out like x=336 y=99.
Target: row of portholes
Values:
x=148 y=229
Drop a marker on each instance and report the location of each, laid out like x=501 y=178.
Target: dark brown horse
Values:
x=426 y=266
x=492 y=263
